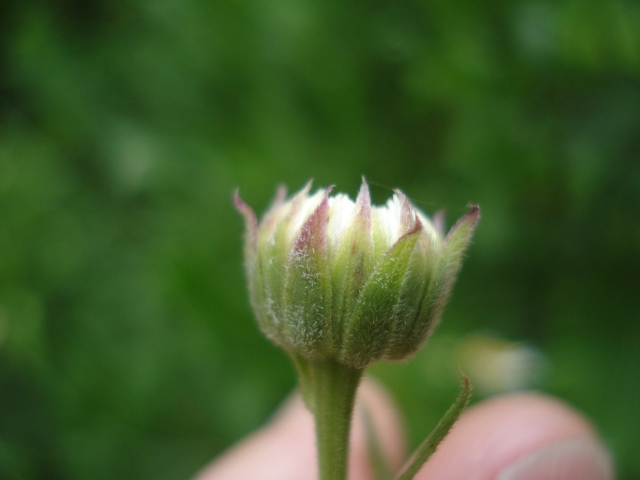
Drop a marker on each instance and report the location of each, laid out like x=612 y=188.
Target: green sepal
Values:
x=456 y=243
x=272 y=255
x=369 y=330
x=251 y=261
x=351 y=264
x=444 y=275
x=407 y=310
x=307 y=294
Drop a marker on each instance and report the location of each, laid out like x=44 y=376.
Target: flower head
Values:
x=333 y=278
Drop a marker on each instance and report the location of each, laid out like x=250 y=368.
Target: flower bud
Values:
x=330 y=278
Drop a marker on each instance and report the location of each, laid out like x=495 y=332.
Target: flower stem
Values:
x=329 y=389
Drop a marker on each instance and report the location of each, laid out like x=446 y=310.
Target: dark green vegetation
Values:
x=127 y=346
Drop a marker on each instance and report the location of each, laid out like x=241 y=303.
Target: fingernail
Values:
x=578 y=458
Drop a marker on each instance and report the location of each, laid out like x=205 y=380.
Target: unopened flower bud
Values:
x=330 y=278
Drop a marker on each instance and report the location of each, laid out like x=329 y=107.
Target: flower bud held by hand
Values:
x=330 y=278
x=340 y=284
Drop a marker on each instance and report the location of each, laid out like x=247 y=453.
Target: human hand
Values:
x=526 y=436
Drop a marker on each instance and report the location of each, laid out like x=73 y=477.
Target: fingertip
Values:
x=573 y=458
x=282 y=449
x=497 y=433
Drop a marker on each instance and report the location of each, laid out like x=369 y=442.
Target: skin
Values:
x=519 y=436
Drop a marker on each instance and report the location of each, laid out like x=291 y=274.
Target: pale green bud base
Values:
x=329 y=391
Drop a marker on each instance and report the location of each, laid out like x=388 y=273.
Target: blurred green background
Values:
x=127 y=346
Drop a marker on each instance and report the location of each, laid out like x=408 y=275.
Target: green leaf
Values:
x=426 y=449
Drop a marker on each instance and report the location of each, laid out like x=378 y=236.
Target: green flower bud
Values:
x=330 y=278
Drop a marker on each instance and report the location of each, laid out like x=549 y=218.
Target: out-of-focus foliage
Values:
x=127 y=346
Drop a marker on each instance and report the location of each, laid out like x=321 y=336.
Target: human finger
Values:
x=520 y=437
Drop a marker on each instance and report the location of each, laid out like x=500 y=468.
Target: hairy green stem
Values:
x=329 y=389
